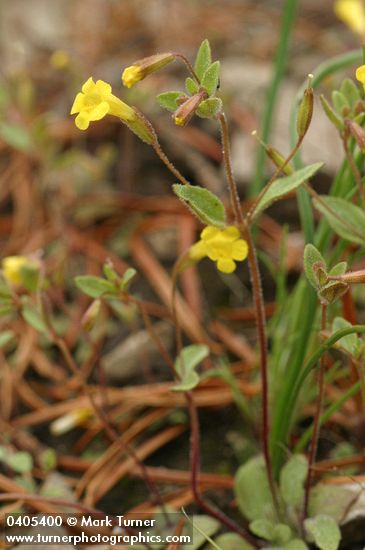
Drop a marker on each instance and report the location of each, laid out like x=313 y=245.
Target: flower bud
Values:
x=352 y=277
x=69 y=421
x=187 y=109
x=275 y=155
x=143 y=67
x=305 y=111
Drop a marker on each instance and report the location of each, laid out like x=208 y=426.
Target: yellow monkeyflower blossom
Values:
x=360 y=75
x=352 y=13
x=223 y=246
x=60 y=59
x=95 y=101
x=12 y=267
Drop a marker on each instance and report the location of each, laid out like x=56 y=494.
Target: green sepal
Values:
x=210 y=107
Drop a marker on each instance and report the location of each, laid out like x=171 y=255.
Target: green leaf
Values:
x=127 y=278
x=29 y=275
x=15 y=136
x=282 y=533
x=332 y=115
x=348 y=342
x=5 y=290
x=230 y=541
x=325 y=532
x=203 y=59
x=94 y=286
x=168 y=100
x=312 y=257
x=109 y=271
x=253 y=491
x=191 y=86
x=5 y=309
x=20 y=462
x=207 y=206
x=292 y=478
x=295 y=544
x=340 y=102
x=338 y=269
x=210 y=78
x=283 y=186
x=48 y=459
x=209 y=107
x=345 y=218
x=263 y=528
x=186 y=364
x=6 y=336
x=350 y=91
x=33 y=317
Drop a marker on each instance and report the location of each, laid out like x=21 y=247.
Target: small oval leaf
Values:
x=207 y=206
x=312 y=257
x=292 y=478
x=94 y=286
x=345 y=218
x=168 y=100
x=203 y=58
x=210 y=78
x=325 y=532
x=191 y=86
x=283 y=186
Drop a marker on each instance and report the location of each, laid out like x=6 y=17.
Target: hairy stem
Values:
x=157 y=147
x=195 y=468
x=316 y=421
x=258 y=302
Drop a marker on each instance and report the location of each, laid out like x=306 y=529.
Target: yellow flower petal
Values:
x=231 y=232
x=131 y=75
x=352 y=13
x=226 y=265
x=89 y=86
x=12 y=267
x=239 y=250
x=209 y=232
x=103 y=88
x=77 y=104
x=82 y=121
x=360 y=74
x=99 y=111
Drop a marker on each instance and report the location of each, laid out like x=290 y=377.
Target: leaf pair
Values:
x=319 y=276
x=208 y=76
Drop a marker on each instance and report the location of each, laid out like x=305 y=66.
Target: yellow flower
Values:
x=131 y=75
x=352 y=13
x=223 y=246
x=12 y=267
x=360 y=74
x=95 y=101
x=60 y=59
